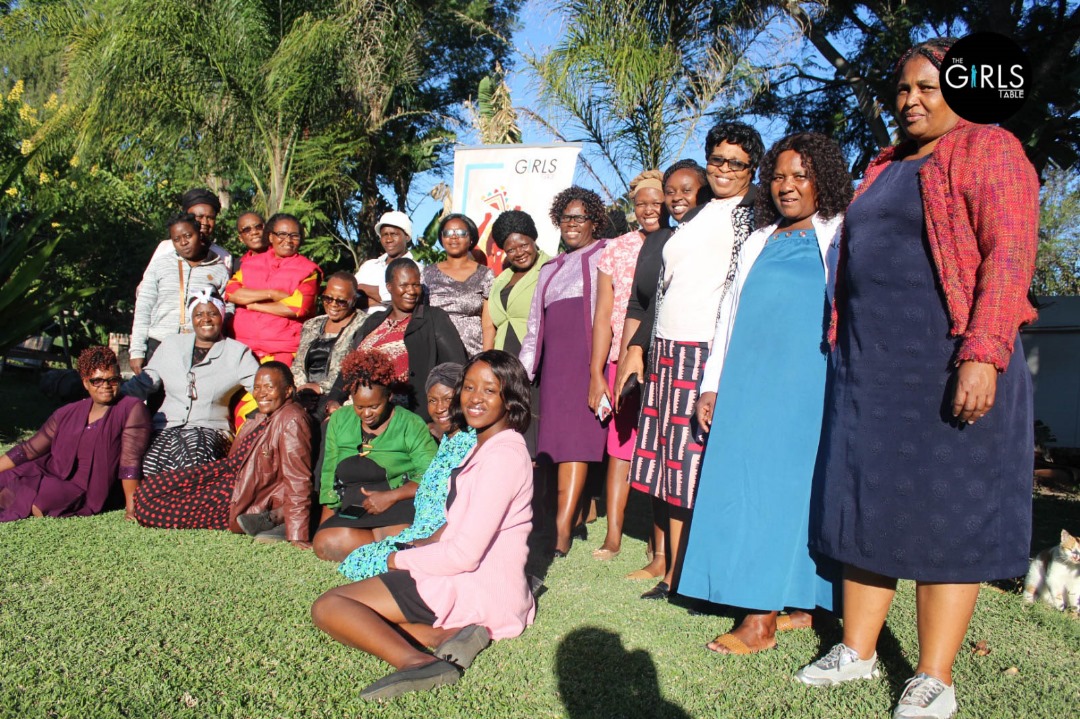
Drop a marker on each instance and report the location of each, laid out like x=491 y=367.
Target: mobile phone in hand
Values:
x=603 y=411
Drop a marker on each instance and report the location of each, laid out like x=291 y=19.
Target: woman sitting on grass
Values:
x=430 y=500
x=375 y=457
x=69 y=467
x=459 y=593
x=268 y=468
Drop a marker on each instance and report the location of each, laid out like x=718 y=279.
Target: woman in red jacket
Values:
x=274 y=293
x=928 y=430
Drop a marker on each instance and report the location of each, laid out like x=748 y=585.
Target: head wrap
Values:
x=447 y=373
x=199 y=196
x=933 y=50
x=205 y=296
x=647 y=178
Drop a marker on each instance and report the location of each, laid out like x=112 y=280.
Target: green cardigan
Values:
x=516 y=311
x=404 y=449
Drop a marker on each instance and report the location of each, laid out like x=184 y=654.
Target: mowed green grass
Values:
x=102 y=618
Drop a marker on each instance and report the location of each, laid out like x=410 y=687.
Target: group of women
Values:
x=820 y=390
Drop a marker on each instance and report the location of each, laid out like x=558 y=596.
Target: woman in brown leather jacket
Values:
x=267 y=472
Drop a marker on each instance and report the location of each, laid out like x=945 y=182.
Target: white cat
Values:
x=1054 y=575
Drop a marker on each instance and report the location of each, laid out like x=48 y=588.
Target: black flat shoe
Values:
x=463 y=647
x=560 y=554
x=660 y=591
x=255 y=524
x=582 y=533
x=418 y=679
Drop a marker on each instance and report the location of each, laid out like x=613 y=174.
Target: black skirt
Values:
x=355 y=472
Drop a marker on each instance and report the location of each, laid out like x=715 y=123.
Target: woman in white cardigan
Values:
x=762 y=399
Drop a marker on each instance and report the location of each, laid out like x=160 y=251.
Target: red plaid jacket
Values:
x=981 y=202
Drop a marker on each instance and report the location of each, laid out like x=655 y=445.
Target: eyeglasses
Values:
x=101 y=381
x=573 y=219
x=192 y=393
x=294 y=236
x=455 y=233
x=718 y=161
x=339 y=301
x=252 y=228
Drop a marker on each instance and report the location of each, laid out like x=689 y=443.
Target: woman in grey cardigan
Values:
x=201 y=372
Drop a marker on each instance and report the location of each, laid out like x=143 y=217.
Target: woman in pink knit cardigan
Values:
x=466 y=584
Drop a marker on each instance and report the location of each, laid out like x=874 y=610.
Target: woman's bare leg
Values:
x=333 y=544
x=944 y=612
x=571 y=484
x=618 y=491
x=867 y=598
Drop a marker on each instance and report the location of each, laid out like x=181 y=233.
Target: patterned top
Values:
x=389 y=337
x=980 y=197
x=618 y=260
x=463 y=301
x=430 y=502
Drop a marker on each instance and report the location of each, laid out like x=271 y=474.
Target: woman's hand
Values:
x=390 y=563
x=331 y=407
x=378 y=502
x=632 y=363
x=598 y=389
x=976 y=385
x=704 y=409
x=276 y=295
x=313 y=386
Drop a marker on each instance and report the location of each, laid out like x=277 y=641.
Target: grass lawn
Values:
x=101 y=618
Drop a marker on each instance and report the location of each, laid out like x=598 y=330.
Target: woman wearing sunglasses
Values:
x=324 y=342
x=70 y=466
x=460 y=285
x=200 y=373
x=274 y=292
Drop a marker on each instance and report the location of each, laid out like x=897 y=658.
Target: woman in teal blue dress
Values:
x=430 y=501
x=762 y=398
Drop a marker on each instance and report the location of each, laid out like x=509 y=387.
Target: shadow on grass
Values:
x=598 y=678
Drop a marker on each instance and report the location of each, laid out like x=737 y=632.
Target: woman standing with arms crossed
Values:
x=929 y=432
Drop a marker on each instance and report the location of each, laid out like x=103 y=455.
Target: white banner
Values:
x=489 y=179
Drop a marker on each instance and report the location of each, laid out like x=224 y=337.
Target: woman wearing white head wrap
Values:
x=200 y=372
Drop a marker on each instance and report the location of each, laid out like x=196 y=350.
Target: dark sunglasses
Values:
x=252 y=228
x=340 y=302
x=101 y=381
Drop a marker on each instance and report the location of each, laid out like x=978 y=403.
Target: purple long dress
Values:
x=69 y=467
x=557 y=349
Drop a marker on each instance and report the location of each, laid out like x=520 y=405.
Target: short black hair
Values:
x=594 y=207
x=825 y=166
x=401 y=263
x=705 y=192
x=736 y=133
x=474 y=233
x=282 y=369
x=200 y=196
x=182 y=218
x=346 y=277
x=513 y=388
x=512 y=222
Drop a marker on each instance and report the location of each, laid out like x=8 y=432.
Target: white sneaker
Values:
x=841 y=664
x=925 y=697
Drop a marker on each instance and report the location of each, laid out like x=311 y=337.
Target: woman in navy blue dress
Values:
x=762 y=397
x=928 y=436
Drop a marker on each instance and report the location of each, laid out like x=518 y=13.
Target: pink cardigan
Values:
x=475 y=574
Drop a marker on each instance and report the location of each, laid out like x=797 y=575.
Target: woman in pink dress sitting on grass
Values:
x=466 y=584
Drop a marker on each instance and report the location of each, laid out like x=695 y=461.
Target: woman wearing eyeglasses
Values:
x=556 y=350
x=200 y=373
x=699 y=263
x=324 y=342
x=274 y=292
x=69 y=467
x=460 y=285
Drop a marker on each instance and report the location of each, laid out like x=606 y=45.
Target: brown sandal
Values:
x=734 y=645
x=785 y=624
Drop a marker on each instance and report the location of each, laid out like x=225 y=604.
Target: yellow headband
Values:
x=649 y=182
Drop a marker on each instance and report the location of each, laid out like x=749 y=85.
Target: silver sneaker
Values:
x=841 y=664
x=925 y=697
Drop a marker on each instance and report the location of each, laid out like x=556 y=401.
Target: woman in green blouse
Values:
x=375 y=456
x=507 y=310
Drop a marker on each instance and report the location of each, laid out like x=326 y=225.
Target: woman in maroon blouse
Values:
x=70 y=466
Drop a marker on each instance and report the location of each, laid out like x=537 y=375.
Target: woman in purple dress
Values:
x=570 y=436
x=70 y=466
